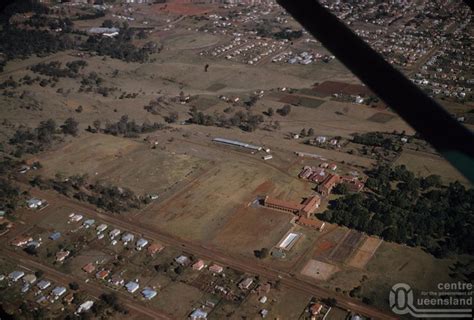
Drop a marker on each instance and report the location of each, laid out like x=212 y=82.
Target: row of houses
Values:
x=185 y=261
x=30 y=281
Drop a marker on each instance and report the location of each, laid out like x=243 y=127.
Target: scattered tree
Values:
x=70 y=127
x=285 y=110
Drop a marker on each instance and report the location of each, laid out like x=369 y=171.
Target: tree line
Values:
x=53 y=69
x=101 y=194
x=244 y=120
x=379 y=139
x=125 y=127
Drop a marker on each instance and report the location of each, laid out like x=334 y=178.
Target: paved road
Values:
x=240 y=263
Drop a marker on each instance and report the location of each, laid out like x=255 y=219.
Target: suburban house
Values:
x=35 y=203
x=44 y=284
x=62 y=255
x=58 y=291
x=20 y=241
x=89 y=268
x=246 y=283
x=154 y=248
x=141 y=243
x=102 y=274
x=149 y=293
x=75 y=217
x=215 y=268
x=102 y=227
x=29 y=278
x=198 y=265
x=88 y=223
x=183 y=260
x=132 y=286
x=114 y=233
x=127 y=237
x=198 y=314
x=55 y=235
x=16 y=275
x=117 y=280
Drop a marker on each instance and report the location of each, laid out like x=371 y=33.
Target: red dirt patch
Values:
x=325 y=245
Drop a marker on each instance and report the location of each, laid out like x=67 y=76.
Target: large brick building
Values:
x=328 y=184
x=306 y=208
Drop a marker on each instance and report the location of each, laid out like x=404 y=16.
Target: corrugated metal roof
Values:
x=237 y=143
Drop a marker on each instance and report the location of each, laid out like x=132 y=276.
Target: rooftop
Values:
x=281 y=203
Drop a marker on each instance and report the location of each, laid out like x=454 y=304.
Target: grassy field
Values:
x=424 y=165
x=391 y=264
x=123 y=162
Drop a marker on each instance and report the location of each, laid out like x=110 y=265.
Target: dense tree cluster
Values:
x=112 y=198
x=103 y=195
x=18 y=42
x=9 y=83
x=406 y=209
x=111 y=300
x=172 y=117
x=125 y=127
x=22 y=6
x=21 y=43
x=53 y=69
x=378 y=139
x=94 y=83
x=10 y=195
x=244 y=120
x=42 y=21
x=32 y=141
x=70 y=127
x=288 y=34
x=120 y=47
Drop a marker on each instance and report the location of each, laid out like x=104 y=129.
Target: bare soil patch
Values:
x=319 y=270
